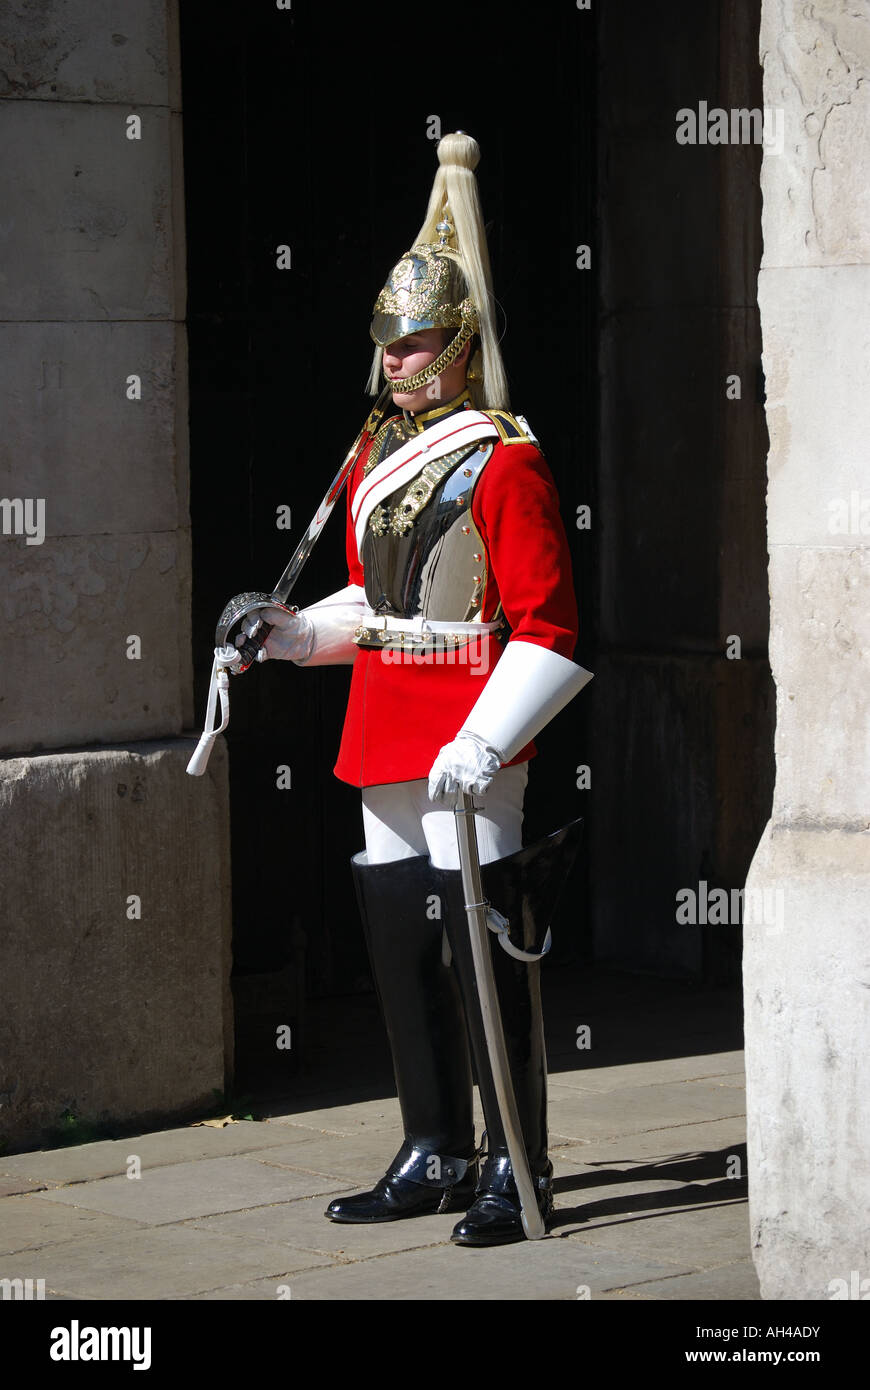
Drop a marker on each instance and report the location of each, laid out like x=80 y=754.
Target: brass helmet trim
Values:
x=425 y=289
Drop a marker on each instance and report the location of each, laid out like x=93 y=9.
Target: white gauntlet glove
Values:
x=291 y=638
x=468 y=764
x=528 y=687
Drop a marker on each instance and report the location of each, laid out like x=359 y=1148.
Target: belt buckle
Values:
x=422 y=635
x=381 y=633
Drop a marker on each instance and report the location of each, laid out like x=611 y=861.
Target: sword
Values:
x=243 y=604
x=476 y=907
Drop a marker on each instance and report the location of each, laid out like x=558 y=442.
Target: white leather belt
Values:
x=378 y=629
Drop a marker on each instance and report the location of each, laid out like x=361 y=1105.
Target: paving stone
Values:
x=645 y=1210
x=585 y=1115
x=737 y=1281
x=303 y=1226
x=26 y=1223
x=9 y=1187
x=698 y=1236
x=630 y=1295
x=168 y=1262
x=670 y=1069
x=350 y=1118
x=579 y=1207
x=559 y=1141
x=679 y=1151
x=261 y=1290
x=108 y=1157
x=552 y=1268
x=345 y=1119
x=582 y=1196
x=597 y=1185
x=183 y=1190
x=361 y=1157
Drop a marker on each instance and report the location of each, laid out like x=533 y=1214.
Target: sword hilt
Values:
x=251 y=645
x=238 y=608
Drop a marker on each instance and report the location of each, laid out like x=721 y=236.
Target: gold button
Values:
x=460 y=501
x=466 y=472
x=466 y=530
x=477 y=559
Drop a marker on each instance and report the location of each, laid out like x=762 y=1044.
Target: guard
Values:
x=460 y=621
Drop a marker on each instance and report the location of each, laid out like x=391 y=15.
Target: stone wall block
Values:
x=820 y=655
x=68 y=608
x=90 y=50
x=111 y=1016
x=807 y=1021
x=817 y=191
x=86 y=231
x=103 y=463
x=816 y=351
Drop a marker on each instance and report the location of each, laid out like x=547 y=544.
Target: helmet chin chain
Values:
x=446 y=359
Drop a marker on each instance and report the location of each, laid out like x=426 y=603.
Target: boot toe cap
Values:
x=392 y=1199
x=492 y=1220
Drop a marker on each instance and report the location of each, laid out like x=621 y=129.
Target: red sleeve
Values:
x=516 y=509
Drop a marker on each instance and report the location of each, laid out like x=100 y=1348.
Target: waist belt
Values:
x=419 y=634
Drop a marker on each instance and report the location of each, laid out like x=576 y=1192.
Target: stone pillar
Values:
x=114 y=981
x=807 y=956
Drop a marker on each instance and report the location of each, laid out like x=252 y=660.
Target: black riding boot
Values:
x=524 y=888
x=436 y=1167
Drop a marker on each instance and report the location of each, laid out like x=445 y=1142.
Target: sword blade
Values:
x=248 y=650
x=472 y=887
x=285 y=584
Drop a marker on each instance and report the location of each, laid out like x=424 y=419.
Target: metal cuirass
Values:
x=422 y=554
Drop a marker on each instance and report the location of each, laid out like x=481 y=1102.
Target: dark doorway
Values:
x=309 y=128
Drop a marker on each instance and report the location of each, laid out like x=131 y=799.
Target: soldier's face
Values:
x=413 y=354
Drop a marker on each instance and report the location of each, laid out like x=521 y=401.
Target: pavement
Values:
x=647 y=1138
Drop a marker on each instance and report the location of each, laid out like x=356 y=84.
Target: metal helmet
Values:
x=446 y=283
x=426 y=289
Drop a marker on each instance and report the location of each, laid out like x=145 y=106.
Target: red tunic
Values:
x=400 y=715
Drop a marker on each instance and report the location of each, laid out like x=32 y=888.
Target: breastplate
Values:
x=422 y=554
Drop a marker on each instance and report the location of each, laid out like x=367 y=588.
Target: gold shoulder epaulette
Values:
x=381 y=441
x=512 y=429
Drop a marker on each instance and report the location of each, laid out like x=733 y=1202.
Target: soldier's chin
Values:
x=411 y=400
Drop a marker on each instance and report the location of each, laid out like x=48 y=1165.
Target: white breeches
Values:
x=400 y=821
